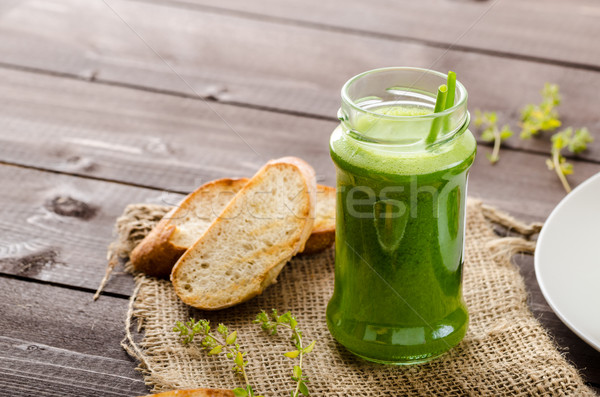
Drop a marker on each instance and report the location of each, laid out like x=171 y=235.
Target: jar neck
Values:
x=394 y=108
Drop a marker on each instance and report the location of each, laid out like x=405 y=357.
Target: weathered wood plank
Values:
x=57 y=341
x=57 y=227
x=233 y=59
x=522 y=184
x=555 y=31
x=145 y=138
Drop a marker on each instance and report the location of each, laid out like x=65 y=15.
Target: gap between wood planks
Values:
x=316 y=93
x=361 y=32
x=209 y=98
x=92 y=177
x=61 y=285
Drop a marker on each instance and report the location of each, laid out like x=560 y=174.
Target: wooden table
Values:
x=110 y=102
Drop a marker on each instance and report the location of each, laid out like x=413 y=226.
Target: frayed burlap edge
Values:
x=505 y=352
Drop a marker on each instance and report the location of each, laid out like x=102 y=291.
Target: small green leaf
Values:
x=580 y=140
x=310 y=347
x=488 y=135
x=550 y=164
x=215 y=350
x=550 y=124
x=292 y=354
x=239 y=392
x=506 y=133
x=231 y=338
x=303 y=389
x=566 y=168
x=222 y=329
x=239 y=360
x=297 y=371
x=262 y=317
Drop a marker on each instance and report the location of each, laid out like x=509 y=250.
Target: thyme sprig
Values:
x=574 y=141
x=224 y=341
x=270 y=323
x=542 y=117
x=488 y=121
x=535 y=119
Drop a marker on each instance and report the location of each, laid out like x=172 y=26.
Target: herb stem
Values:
x=558 y=170
x=232 y=351
x=294 y=333
x=300 y=365
x=496 y=151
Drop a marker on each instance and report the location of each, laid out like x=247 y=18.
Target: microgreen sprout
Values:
x=488 y=122
x=224 y=341
x=270 y=322
x=536 y=118
x=574 y=141
x=542 y=117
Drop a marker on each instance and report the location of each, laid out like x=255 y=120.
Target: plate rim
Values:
x=537 y=263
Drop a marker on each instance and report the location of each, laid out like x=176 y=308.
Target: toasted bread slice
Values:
x=323 y=232
x=179 y=229
x=194 y=393
x=259 y=231
x=158 y=252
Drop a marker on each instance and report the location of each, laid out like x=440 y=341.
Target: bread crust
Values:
x=278 y=255
x=194 y=393
x=319 y=240
x=156 y=254
x=323 y=232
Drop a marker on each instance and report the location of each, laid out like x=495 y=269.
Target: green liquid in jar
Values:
x=399 y=242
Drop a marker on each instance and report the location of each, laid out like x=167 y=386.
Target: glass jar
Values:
x=401 y=193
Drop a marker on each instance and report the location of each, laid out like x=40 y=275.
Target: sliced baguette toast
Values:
x=194 y=393
x=258 y=232
x=158 y=252
x=323 y=232
x=179 y=229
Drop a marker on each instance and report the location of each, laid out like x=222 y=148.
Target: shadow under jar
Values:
x=401 y=194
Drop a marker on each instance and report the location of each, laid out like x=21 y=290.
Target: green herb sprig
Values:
x=221 y=342
x=574 y=141
x=270 y=323
x=534 y=119
x=224 y=341
x=488 y=121
x=542 y=117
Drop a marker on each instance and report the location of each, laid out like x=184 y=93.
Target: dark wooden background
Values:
x=109 y=102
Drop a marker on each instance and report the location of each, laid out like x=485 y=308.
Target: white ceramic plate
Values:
x=567 y=261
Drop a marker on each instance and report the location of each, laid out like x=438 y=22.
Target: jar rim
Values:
x=459 y=87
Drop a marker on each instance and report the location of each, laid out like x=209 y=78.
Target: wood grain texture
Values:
x=287 y=67
x=56 y=341
x=145 y=138
x=57 y=228
x=553 y=30
x=106 y=103
x=128 y=135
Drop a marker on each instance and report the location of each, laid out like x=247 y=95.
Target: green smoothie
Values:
x=399 y=238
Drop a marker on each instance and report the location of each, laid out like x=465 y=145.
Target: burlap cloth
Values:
x=505 y=352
